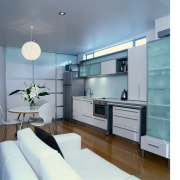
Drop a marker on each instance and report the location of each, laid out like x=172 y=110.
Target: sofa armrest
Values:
x=68 y=143
x=13 y=164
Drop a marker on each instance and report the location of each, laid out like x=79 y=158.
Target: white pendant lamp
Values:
x=31 y=50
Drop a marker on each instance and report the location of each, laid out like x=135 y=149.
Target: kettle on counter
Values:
x=124 y=95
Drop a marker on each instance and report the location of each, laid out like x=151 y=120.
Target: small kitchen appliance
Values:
x=124 y=95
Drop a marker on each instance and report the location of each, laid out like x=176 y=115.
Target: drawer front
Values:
x=155 y=147
x=132 y=135
x=131 y=123
x=87 y=119
x=99 y=122
x=126 y=112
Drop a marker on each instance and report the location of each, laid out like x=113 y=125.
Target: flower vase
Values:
x=32 y=105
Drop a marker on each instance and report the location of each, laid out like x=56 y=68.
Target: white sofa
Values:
x=29 y=158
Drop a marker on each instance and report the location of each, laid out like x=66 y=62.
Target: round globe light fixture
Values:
x=31 y=50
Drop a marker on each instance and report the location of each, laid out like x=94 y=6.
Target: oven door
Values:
x=100 y=109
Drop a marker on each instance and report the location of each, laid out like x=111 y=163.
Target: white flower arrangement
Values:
x=32 y=92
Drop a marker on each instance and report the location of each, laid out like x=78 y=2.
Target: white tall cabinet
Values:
x=137 y=73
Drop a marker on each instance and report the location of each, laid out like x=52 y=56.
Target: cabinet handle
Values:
x=87 y=116
x=126 y=110
x=99 y=119
x=125 y=129
x=153 y=145
x=127 y=117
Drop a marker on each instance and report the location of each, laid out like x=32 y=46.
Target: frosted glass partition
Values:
x=158 y=108
x=14 y=55
x=63 y=59
x=46 y=70
x=48 y=59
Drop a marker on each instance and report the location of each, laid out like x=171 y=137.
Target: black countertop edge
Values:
x=127 y=105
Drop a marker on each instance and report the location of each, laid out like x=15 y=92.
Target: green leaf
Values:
x=14 y=92
x=43 y=94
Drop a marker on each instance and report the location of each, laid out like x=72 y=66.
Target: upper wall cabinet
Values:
x=90 y=70
x=114 y=66
x=137 y=73
x=94 y=69
x=108 y=67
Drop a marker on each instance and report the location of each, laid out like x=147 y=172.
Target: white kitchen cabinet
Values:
x=137 y=73
x=83 y=110
x=90 y=70
x=87 y=107
x=100 y=122
x=156 y=146
x=77 y=107
x=87 y=111
x=108 y=67
x=127 y=123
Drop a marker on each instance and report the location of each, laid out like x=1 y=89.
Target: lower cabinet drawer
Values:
x=100 y=122
x=156 y=146
x=87 y=119
x=132 y=123
x=126 y=133
x=126 y=112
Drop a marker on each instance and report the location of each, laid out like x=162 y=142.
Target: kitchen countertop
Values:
x=114 y=101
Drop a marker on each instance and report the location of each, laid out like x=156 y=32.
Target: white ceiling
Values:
x=87 y=24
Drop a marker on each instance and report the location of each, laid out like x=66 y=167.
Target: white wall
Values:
x=162 y=24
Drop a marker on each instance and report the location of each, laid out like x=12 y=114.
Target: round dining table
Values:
x=23 y=111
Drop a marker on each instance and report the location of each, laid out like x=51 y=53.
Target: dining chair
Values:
x=45 y=116
x=7 y=123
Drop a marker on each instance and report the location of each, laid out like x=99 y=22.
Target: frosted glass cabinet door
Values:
x=83 y=71
x=94 y=69
x=158 y=109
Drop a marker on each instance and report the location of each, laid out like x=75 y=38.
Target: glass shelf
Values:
x=155 y=118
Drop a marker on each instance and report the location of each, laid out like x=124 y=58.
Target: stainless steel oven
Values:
x=100 y=108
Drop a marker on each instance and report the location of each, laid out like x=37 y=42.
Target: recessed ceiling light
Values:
x=62 y=13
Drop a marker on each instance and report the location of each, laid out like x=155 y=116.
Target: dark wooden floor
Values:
x=121 y=152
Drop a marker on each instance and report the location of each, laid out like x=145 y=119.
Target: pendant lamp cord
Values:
x=32 y=27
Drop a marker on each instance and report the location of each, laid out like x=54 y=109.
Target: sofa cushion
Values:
x=48 y=139
x=13 y=164
x=91 y=166
x=33 y=149
x=45 y=161
x=56 y=168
